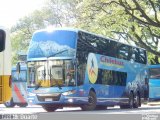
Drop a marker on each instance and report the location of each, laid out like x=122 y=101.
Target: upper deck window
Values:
x=90 y=43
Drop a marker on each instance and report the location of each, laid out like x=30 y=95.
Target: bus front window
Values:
x=37 y=72
x=51 y=73
x=154 y=73
x=62 y=72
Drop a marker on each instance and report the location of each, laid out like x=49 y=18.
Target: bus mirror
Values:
x=2 y=40
x=18 y=67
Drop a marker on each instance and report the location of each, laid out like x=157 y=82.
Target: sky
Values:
x=12 y=10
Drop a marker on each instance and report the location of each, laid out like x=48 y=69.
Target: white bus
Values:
x=5 y=65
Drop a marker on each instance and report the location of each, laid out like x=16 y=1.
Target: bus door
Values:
x=19 y=82
x=154 y=83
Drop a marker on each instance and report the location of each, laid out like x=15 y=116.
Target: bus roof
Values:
x=80 y=30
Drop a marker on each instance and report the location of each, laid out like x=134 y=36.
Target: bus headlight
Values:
x=69 y=92
x=31 y=94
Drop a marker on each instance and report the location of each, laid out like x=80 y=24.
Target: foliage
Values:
x=131 y=21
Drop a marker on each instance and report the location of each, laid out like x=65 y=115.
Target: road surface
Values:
x=110 y=110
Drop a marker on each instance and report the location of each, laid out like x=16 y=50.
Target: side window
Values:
x=110 y=77
x=142 y=57
x=19 y=77
x=14 y=76
x=135 y=54
x=122 y=78
x=2 y=40
x=123 y=51
x=23 y=76
x=107 y=77
x=91 y=43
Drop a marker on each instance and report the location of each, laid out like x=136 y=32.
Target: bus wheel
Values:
x=131 y=100
x=137 y=101
x=50 y=108
x=23 y=105
x=92 y=100
x=9 y=103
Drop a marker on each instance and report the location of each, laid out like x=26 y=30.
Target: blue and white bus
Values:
x=106 y=72
x=154 y=82
x=19 y=92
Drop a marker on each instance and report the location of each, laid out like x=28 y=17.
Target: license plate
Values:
x=48 y=99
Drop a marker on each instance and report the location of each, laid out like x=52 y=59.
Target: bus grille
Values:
x=53 y=97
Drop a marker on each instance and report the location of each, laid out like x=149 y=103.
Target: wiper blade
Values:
x=58 y=53
x=56 y=82
x=59 y=86
x=38 y=85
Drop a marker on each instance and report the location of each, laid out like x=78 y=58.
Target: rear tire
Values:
x=10 y=103
x=131 y=101
x=137 y=101
x=50 y=108
x=92 y=100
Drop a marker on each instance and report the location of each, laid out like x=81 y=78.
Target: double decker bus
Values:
x=105 y=72
x=5 y=65
x=154 y=82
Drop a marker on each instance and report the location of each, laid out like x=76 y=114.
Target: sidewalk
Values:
x=153 y=103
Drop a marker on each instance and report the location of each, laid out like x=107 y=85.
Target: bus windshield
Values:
x=46 y=44
x=19 y=77
x=154 y=73
x=52 y=72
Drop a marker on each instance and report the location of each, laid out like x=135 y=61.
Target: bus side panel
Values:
x=1 y=77
x=154 y=89
x=19 y=92
x=5 y=71
x=1 y=91
x=6 y=88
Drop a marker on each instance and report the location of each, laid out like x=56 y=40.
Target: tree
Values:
x=132 y=20
x=58 y=13
x=22 y=32
x=61 y=13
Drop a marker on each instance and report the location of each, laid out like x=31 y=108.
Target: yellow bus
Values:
x=5 y=65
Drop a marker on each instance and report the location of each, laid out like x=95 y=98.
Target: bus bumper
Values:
x=59 y=99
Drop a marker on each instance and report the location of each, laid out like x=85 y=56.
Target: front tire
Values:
x=50 y=108
x=23 y=105
x=9 y=103
x=92 y=100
